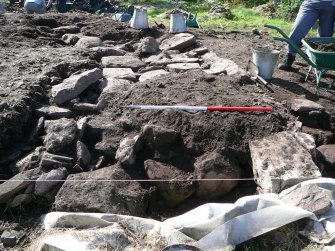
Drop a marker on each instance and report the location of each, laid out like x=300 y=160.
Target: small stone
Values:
x=148 y=45
x=83 y=154
x=126 y=153
x=70 y=39
x=327 y=154
x=81 y=125
x=9 y=238
x=76 y=169
x=255 y=31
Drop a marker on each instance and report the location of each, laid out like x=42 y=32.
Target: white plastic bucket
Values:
x=266 y=59
x=140 y=19
x=177 y=23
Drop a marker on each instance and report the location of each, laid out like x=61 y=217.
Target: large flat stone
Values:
x=67 y=29
x=182 y=67
x=93 y=192
x=152 y=75
x=49 y=180
x=74 y=85
x=309 y=197
x=221 y=65
x=17 y=183
x=119 y=73
x=122 y=62
x=108 y=51
x=282 y=160
x=114 y=85
x=178 y=42
x=304 y=105
x=53 y=112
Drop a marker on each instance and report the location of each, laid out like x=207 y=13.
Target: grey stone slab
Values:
x=49 y=180
x=221 y=65
x=67 y=29
x=122 y=62
x=74 y=85
x=309 y=197
x=178 y=42
x=152 y=75
x=182 y=67
x=128 y=198
x=108 y=51
x=305 y=105
x=282 y=160
x=60 y=134
x=327 y=153
x=119 y=73
x=53 y=112
x=126 y=153
x=81 y=125
x=114 y=85
x=21 y=199
x=83 y=154
x=17 y=183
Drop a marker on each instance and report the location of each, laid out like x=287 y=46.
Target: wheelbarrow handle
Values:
x=299 y=51
x=277 y=29
x=286 y=39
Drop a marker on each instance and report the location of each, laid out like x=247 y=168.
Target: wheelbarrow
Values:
x=319 y=61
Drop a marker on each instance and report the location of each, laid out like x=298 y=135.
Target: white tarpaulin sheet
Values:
x=210 y=227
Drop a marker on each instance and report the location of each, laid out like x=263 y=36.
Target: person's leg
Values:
x=326 y=19
x=307 y=16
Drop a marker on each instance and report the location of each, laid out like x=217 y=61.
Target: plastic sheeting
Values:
x=209 y=227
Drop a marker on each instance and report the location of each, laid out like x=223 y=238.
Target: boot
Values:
x=287 y=64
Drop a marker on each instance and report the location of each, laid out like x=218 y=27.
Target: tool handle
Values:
x=239 y=109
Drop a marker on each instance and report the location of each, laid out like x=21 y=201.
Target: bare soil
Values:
x=34 y=58
x=330 y=47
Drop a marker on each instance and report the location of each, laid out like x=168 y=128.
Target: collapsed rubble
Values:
x=76 y=135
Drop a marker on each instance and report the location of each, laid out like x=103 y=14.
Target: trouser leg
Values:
x=326 y=19
x=307 y=16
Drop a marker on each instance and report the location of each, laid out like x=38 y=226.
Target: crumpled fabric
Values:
x=210 y=227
